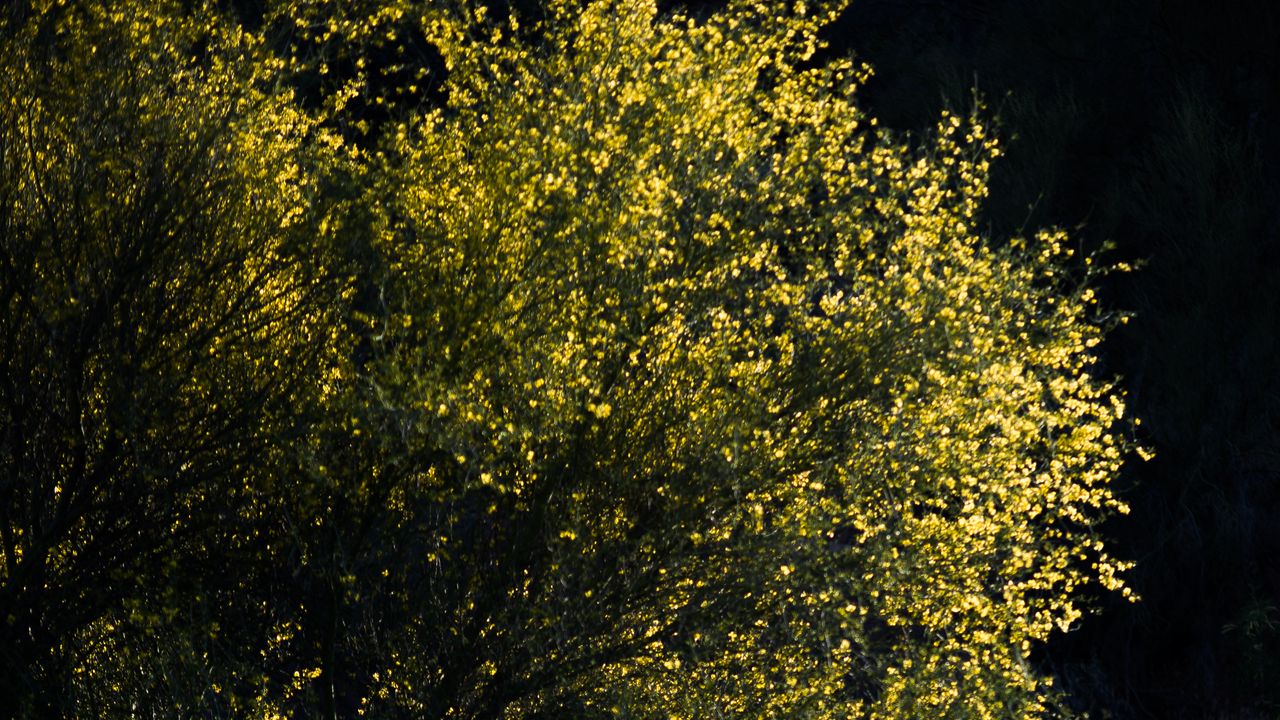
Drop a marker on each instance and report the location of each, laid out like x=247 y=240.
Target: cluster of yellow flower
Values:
x=876 y=428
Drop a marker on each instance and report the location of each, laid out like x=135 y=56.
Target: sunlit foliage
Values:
x=669 y=386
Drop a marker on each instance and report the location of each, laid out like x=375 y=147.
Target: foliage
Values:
x=666 y=384
x=162 y=311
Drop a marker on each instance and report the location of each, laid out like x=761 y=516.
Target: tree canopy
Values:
x=625 y=368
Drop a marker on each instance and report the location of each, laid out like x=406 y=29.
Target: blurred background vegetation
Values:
x=1153 y=125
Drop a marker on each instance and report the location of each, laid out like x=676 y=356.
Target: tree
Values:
x=664 y=383
x=163 y=314
x=716 y=401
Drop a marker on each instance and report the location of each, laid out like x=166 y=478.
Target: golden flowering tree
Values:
x=668 y=384
x=725 y=406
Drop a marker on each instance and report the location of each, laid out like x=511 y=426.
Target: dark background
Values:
x=1153 y=125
